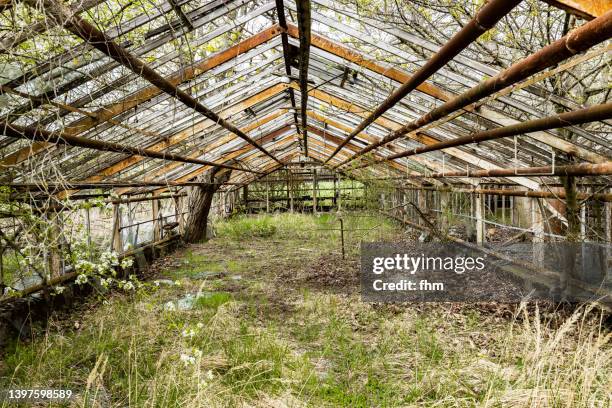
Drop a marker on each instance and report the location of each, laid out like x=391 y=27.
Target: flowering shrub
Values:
x=81 y=279
x=40 y=235
x=105 y=270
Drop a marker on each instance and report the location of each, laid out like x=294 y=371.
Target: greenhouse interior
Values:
x=306 y=203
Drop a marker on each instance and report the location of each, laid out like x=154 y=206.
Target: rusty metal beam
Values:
x=484 y=20
x=69 y=108
x=83 y=29
x=199 y=171
x=267 y=171
x=51 y=187
x=31 y=133
x=429 y=89
x=582 y=169
x=337 y=140
x=228 y=157
x=212 y=146
x=5 y=5
x=587 y=9
x=420 y=137
x=587 y=115
x=579 y=40
x=304 y=26
x=518 y=193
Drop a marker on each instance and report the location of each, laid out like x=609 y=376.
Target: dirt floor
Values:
x=268 y=314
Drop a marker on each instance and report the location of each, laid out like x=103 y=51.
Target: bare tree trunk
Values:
x=199 y=201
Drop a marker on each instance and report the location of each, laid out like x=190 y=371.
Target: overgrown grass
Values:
x=213 y=301
x=323 y=228
x=261 y=341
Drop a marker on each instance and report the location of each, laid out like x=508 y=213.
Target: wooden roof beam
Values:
x=111 y=110
x=83 y=29
x=198 y=127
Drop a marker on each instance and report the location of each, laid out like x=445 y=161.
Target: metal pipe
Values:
x=44 y=186
x=83 y=29
x=582 y=169
x=41 y=135
x=607 y=197
x=304 y=25
x=484 y=20
x=579 y=40
x=577 y=117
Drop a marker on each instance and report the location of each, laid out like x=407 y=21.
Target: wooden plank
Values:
x=588 y=9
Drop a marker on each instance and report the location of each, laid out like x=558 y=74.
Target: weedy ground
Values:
x=277 y=321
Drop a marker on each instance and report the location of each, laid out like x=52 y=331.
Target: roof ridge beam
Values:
x=282 y=22
x=304 y=30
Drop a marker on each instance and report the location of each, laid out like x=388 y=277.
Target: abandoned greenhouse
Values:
x=270 y=203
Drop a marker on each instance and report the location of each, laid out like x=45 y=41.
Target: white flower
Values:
x=109 y=258
x=189 y=333
x=129 y=286
x=85 y=267
x=59 y=289
x=170 y=306
x=127 y=262
x=187 y=359
x=156 y=283
x=102 y=269
x=8 y=291
x=210 y=375
x=200 y=325
x=81 y=279
x=106 y=282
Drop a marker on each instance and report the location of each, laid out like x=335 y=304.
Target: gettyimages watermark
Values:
x=450 y=272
